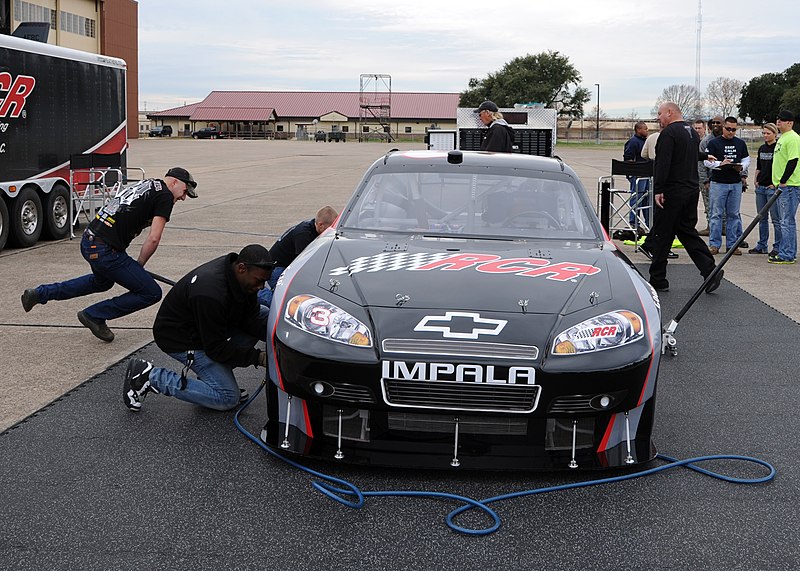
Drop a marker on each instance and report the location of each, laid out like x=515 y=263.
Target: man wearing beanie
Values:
x=499 y=136
x=103 y=245
x=786 y=177
x=210 y=322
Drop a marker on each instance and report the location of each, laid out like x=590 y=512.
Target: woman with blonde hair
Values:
x=764 y=191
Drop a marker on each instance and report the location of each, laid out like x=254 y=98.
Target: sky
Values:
x=188 y=48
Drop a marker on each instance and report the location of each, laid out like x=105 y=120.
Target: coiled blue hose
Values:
x=348 y=494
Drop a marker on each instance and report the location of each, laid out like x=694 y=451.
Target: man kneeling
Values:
x=210 y=322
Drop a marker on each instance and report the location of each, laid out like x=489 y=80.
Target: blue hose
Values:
x=350 y=495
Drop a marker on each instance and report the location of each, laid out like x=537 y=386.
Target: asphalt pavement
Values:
x=89 y=485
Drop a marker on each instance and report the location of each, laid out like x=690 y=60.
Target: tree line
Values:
x=548 y=78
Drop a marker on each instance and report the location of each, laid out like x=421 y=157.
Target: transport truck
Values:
x=55 y=103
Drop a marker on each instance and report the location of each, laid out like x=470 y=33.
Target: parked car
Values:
x=161 y=131
x=337 y=136
x=468 y=310
x=208 y=133
x=320 y=136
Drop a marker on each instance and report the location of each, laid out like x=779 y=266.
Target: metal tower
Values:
x=375 y=106
x=699 y=35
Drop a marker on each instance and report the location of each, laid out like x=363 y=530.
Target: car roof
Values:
x=479 y=159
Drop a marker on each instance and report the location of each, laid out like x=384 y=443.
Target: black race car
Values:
x=466 y=309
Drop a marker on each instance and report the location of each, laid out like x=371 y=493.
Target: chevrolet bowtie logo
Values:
x=441 y=323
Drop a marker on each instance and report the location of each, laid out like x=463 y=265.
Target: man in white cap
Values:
x=499 y=136
x=103 y=245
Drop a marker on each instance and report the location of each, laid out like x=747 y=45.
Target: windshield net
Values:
x=484 y=204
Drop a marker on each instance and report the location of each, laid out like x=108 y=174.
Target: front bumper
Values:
x=354 y=418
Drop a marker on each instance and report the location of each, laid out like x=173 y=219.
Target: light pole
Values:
x=597 y=123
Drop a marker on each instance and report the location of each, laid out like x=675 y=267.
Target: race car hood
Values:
x=491 y=275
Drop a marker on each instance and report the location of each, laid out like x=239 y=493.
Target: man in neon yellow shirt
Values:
x=786 y=176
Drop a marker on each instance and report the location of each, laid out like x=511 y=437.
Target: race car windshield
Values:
x=476 y=204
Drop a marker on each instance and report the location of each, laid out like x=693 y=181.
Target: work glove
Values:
x=262 y=359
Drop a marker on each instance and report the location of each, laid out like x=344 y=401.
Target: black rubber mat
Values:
x=88 y=485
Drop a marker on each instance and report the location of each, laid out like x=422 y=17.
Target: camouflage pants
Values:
x=704 y=193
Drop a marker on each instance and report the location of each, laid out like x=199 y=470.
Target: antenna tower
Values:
x=375 y=106
x=699 y=35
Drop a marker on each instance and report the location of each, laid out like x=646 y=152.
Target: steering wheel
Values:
x=538 y=213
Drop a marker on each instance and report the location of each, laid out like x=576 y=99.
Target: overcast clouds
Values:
x=188 y=48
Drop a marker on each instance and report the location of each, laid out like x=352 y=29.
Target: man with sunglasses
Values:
x=103 y=245
x=210 y=322
x=725 y=194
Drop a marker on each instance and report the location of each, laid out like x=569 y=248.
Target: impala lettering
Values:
x=459 y=373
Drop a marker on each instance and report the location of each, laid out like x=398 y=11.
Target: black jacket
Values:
x=677 y=153
x=292 y=242
x=204 y=309
x=499 y=137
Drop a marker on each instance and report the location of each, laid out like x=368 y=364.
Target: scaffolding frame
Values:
x=95 y=178
x=616 y=205
x=375 y=107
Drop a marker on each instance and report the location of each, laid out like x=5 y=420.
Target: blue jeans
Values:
x=725 y=198
x=763 y=194
x=639 y=199
x=108 y=267
x=788 y=200
x=265 y=295
x=215 y=386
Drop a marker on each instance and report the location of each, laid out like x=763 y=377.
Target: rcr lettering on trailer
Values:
x=18 y=89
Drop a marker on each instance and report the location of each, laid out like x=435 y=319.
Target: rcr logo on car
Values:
x=17 y=92
x=492 y=326
x=460 y=373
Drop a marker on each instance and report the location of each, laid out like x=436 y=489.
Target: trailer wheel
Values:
x=4 y=223
x=56 y=213
x=26 y=218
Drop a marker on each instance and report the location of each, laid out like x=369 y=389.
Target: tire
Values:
x=26 y=218
x=4 y=223
x=56 y=213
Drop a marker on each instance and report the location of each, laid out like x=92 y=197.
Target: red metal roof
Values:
x=223 y=105
x=231 y=114
x=184 y=111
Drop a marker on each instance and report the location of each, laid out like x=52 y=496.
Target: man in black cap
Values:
x=103 y=245
x=210 y=321
x=499 y=136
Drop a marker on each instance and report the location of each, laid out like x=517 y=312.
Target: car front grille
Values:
x=437 y=423
x=461 y=348
x=352 y=393
x=447 y=395
x=571 y=405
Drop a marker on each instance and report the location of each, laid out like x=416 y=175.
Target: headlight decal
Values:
x=323 y=319
x=607 y=331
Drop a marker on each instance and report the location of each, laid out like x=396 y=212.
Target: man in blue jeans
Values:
x=632 y=153
x=103 y=245
x=210 y=322
x=786 y=176
x=725 y=193
x=764 y=191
